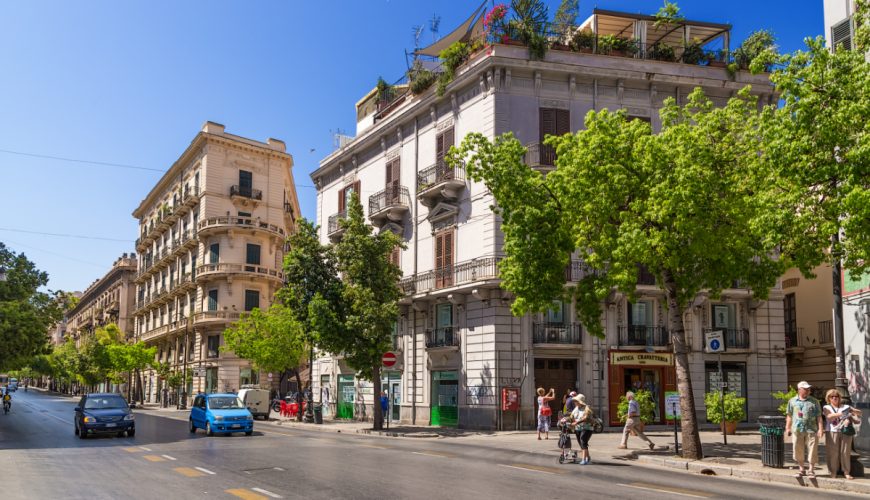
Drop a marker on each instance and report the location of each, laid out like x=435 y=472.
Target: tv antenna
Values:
x=418 y=32
x=433 y=26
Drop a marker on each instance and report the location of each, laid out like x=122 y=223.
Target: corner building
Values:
x=211 y=246
x=458 y=345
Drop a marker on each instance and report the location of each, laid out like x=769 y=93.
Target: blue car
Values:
x=104 y=413
x=220 y=414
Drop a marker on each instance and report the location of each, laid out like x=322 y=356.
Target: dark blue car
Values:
x=220 y=414
x=104 y=413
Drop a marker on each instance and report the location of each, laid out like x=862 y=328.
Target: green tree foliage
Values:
x=26 y=313
x=370 y=296
x=565 y=19
x=126 y=359
x=817 y=150
x=680 y=202
x=668 y=14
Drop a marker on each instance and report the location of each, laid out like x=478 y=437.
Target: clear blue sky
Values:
x=132 y=82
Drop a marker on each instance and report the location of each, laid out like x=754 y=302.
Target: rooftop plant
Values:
x=757 y=43
x=583 y=39
x=451 y=58
x=660 y=51
x=693 y=52
x=420 y=78
x=669 y=13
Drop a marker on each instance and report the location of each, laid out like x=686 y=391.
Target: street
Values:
x=41 y=458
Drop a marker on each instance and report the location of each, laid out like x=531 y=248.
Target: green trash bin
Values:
x=318 y=413
x=772 y=429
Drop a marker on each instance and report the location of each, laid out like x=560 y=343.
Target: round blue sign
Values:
x=714 y=344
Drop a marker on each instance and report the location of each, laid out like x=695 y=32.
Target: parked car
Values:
x=257 y=401
x=220 y=414
x=104 y=413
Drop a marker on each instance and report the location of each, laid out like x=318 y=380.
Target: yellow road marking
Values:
x=153 y=458
x=246 y=494
x=533 y=468
x=132 y=450
x=187 y=471
x=668 y=489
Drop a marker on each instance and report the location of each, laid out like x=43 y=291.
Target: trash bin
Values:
x=772 y=429
x=318 y=413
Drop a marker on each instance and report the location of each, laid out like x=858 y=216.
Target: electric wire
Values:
x=62 y=235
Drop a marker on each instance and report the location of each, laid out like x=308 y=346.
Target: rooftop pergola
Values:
x=642 y=28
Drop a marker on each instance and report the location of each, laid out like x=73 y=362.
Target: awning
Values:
x=460 y=34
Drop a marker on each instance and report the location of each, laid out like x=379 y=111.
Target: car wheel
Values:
x=76 y=429
x=249 y=433
x=83 y=434
x=208 y=430
x=131 y=433
x=120 y=434
x=191 y=426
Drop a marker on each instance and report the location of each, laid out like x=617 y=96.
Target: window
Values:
x=393 y=181
x=733 y=374
x=394 y=335
x=790 y=312
x=395 y=257
x=443 y=316
x=841 y=34
x=345 y=195
x=214 y=253
x=556 y=314
x=724 y=317
x=444 y=258
x=246 y=183
x=552 y=122
x=252 y=299
x=248 y=376
x=640 y=313
x=443 y=141
x=213 y=300
x=252 y=256
x=214 y=344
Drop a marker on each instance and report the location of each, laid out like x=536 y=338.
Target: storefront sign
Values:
x=642 y=358
x=672 y=405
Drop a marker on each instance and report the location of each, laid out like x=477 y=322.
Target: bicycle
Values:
x=7 y=405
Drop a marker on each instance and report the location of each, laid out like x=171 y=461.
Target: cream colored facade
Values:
x=109 y=299
x=212 y=234
x=807 y=312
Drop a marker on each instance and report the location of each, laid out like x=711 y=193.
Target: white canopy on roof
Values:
x=460 y=34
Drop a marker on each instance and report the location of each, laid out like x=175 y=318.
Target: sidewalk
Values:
x=740 y=458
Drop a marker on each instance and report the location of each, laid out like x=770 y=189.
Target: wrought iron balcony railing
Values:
x=826 y=332
x=735 y=338
x=392 y=196
x=446 y=336
x=246 y=192
x=439 y=173
x=556 y=333
x=333 y=226
x=641 y=335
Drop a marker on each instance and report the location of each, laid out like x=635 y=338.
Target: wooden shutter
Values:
x=342 y=202
x=547 y=127
x=356 y=189
x=563 y=121
x=392 y=184
x=444 y=259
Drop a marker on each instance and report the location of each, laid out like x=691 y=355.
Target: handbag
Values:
x=546 y=411
x=848 y=430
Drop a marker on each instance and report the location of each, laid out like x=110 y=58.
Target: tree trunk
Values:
x=376 y=398
x=691 y=439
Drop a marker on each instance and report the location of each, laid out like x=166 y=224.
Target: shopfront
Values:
x=391 y=383
x=346 y=393
x=444 y=409
x=634 y=371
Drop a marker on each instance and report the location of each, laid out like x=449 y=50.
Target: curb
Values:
x=699 y=467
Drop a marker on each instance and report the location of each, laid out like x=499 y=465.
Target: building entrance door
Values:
x=561 y=375
x=346 y=393
x=445 y=399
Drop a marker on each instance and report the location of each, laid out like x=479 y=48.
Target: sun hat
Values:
x=580 y=398
x=803 y=384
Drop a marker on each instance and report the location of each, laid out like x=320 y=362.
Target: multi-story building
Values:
x=458 y=344
x=807 y=306
x=840 y=31
x=107 y=300
x=211 y=240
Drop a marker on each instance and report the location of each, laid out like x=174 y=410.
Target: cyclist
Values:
x=7 y=400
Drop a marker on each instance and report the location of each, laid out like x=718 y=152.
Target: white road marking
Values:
x=205 y=470
x=661 y=490
x=266 y=492
x=278 y=468
x=167 y=457
x=430 y=454
x=144 y=448
x=526 y=469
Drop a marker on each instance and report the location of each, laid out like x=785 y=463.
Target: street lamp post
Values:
x=183 y=405
x=309 y=411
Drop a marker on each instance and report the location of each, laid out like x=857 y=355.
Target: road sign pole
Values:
x=722 y=397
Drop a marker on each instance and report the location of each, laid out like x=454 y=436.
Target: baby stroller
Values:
x=566 y=429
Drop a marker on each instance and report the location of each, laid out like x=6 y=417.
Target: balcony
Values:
x=556 y=333
x=212 y=317
x=577 y=270
x=207 y=272
x=644 y=277
x=540 y=157
x=225 y=223
x=826 y=332
x=333 y=228
x=245 y=193
x=154 y=333
x=440 y=182
x=288 y=211
x=190 y=196
x=735 y=338
x=470 y=271
x=794 y=338
x=390 y=204
x=442 y=337
x=641 y=335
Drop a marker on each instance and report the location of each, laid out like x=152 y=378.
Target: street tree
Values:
x=127 y=361
x=679 y=203
x=26 y=312
x=273 y=340
x=370 y=298
x=311 y=277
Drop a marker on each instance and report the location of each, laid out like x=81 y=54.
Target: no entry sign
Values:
x=389 y=359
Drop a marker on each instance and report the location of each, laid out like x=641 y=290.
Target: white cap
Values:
x=803 y=384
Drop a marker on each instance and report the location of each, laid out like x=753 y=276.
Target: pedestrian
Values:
x=544 y=411
x=803 y=421
x=565 y=398
x=570 y=404
x=385 y=404
x=633 y=422
x=840 y=420
x=582 y=416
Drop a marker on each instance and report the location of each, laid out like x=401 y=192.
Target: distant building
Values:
x=840 y=31
x=57 y=334
x=108 y=300
x=211 y=246
x=458 y=344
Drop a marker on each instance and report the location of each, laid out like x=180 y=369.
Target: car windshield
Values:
x=225 y=403
x=105 y=403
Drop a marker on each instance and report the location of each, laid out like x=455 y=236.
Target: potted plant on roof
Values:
x=660 y=51
x=494 y=24
x=734 y=410
x=563 y=24
x=693 y=53
x=756 y=44
x=583 y=41
x=645 y=402
x=717 y=58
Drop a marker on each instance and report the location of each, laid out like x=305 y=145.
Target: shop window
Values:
x=733 y=375
x=247 y=376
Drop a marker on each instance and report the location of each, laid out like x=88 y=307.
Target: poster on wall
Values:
x=672 y=405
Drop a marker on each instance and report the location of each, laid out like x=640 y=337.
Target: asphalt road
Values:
x=41 y=458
